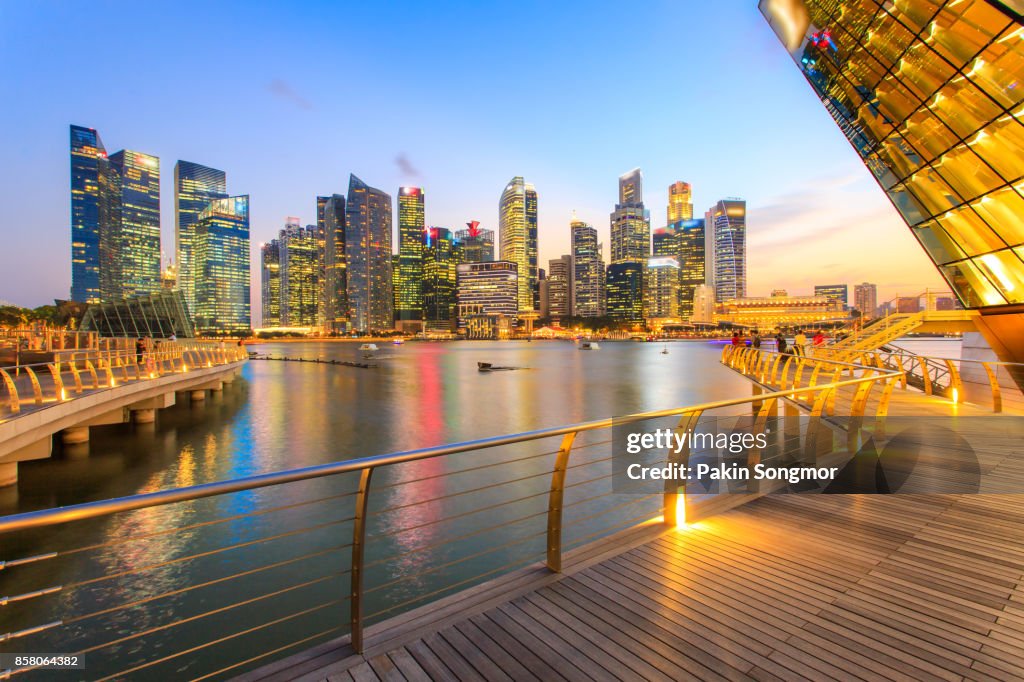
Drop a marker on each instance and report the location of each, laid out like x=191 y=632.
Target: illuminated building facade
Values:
x=517 y=227
x=477 y=243
x=680 y=202
x=664 y=242
x=409 y=278
x=625 y=286
x=270 y=281
x=488 y=298
x=130 y=237
x=195 y=186
x=88 y=161
x=661 y=288
x=299 y=269
x=560 y=287
x=440 y=258
x=368 y=247
x=220 y=247
x=727 y=222
x=333 y=278
x=693 y=257
x=838 y=292
x=929 y=95
x=630 y=221
x=865 y=299
x=781 y=312
x=588 y=271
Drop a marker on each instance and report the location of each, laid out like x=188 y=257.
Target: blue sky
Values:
x=289 y=98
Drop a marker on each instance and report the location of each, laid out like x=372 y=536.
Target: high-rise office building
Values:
x=661 y=288
x=195 y=186
x=929 y=96
x=130 y=234
x=693 y=256
x=727 y=223
x=368 y=250
x=409 y=278
x=588 y=271
x=333 y=290
x=88 y=161
x=664 y=242
x=440 y=258
x=299 y=269
x=626 y=291
x=630 y=221
x=477 y=243
x=703 y=305
x=220 y=250
x=865 y=299
x=488 y=298
x=560 y=286
x=270 y=280
x=834 y=292
x=680 y=202
x=321 y=271
x=517 y=227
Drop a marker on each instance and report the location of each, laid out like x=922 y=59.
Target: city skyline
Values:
x=573 y=162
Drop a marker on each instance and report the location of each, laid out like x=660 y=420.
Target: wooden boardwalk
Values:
x=788 y=587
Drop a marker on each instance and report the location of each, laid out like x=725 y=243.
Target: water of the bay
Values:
x=425 y=540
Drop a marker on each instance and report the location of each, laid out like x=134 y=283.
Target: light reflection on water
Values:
x=290 y=414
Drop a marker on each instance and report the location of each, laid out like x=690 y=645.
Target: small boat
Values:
x=488 y=367
x=589 y=345
x=398 y=342
x=664 y=351
x=368 y=347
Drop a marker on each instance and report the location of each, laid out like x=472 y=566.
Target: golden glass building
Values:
x=220 y=248
x=517 y=225
x=931 y=96
x=195 y=186
x=270 y=281
x=409 y=277
x=299 y=271
x=680 y=202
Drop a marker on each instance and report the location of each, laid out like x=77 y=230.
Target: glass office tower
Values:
x=630 y=221
x=270 y=281
x=195 y=186
x=220 y=247
x=930 y=96
x=368 y=253
x=409 y=278
x=88 y=161
x=517 y=227
x=440 y=260
x=130 y=237
x=588 y=270
x=477 y=243
x=727 y=223
x=333 y=273
x=680 y=202
x=300 y=256
x=626 y=291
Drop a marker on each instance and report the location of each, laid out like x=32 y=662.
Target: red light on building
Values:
x=474 y=227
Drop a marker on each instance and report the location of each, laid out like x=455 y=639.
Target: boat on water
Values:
x=664 y=351
x=398 y=342
x=368 y=347
x=589 y=345
x=488 y=367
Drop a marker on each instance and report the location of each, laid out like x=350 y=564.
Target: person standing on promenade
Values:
x=756 y=340
x=140 y=347
x=819 y=339
x=780 y=343
x=735 y=338
x=800 y=342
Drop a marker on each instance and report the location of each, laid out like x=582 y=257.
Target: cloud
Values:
x=405 y=166
x=283 y=90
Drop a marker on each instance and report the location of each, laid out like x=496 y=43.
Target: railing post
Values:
x=358 y=545
x=993 y=380
x=955 y=384
x=555 y=503
x=687 y=422
x=12 y=390
x=37 y=390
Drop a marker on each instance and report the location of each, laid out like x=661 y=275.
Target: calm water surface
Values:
x=161 y=581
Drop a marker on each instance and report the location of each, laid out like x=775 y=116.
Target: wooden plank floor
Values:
x=789 y=587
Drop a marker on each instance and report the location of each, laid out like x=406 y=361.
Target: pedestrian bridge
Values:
x=84 y=388
x=514 y=557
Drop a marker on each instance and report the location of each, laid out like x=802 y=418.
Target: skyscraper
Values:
x=630 y=221
x=661 y=288
x=865 y=299
x=692 y=254
x=588 y=271
x=517 y=225
x=195 y=186
x=680 y=202
x=88 y=161
x=271 y=283
x=440 y=258
x=626 y=292
x=929 y=96
x=409 y=296
x=299 y=266
x=488 y=298
x=368 y=249
x=321 y=271
x=220 y=250
x=130 y=233
x=477 y=243
x=333 y=267
x=727 y=220
x=560 y=286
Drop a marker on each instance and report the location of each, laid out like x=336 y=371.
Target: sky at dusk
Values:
x=289 y=98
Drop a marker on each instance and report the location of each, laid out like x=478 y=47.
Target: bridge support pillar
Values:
x=146 y=415
x=197 y=396
x=8 y=473
x=217 y=387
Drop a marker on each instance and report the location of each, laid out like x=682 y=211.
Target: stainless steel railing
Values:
x=215 y=578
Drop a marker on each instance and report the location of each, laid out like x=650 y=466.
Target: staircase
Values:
x=880 y=332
